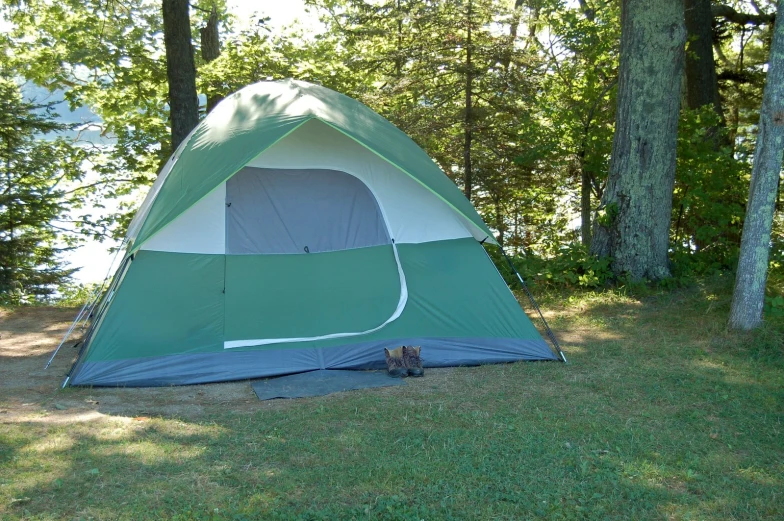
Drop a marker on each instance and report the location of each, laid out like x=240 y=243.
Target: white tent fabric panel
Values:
x=200 y=229
x=144 y=209
x=413 y=213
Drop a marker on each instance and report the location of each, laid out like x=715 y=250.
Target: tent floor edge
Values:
x=234 y=365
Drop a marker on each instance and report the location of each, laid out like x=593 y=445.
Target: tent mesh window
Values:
x=300 y=211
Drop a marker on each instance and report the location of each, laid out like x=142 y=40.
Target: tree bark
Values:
x=702 y=86
x=585 y=206
x=637 y=202
x=748 y=297
x=180 y=70
x=468 y=174
x=399 y=61
x=210 y=50
x=500 y=225
x=513 y=27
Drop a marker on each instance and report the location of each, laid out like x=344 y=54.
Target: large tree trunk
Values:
x=749 y=295
x=634 y=227
x=210 y=50
x=180 y=70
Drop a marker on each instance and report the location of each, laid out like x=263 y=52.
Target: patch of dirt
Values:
x=28 y=393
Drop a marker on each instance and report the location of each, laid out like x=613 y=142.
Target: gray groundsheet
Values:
x=320 y=383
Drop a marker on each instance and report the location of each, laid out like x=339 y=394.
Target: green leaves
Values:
x=709 y=196
x=774 y=306
x=572 y=267
x=36 y=169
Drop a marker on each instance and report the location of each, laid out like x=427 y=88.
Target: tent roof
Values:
x=251 y=120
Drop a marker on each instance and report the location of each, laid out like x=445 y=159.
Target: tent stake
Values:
x=547 y=329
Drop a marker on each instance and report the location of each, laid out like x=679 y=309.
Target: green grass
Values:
x=661 y=414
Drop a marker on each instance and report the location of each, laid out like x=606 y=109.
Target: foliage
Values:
x=75 y=295
x=36 y=170
x=774 y=295
x=570 y=268
x=709 y=198
x=741 y=54
x=580 y=90
x=106 y=56
x=542 y=78
x=256 y=55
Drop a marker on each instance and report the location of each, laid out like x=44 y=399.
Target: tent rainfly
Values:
x=295 y=229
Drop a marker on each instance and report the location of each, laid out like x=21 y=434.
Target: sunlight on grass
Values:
x=58 y=441
x=63 y=417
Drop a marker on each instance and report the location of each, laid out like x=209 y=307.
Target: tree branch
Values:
x=740 y=18
x=590 y=14
x=737 y=77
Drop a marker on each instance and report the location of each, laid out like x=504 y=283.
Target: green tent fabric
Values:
x=296 y=230
x=249 y=121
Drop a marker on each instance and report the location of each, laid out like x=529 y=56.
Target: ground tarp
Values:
x=320 y=383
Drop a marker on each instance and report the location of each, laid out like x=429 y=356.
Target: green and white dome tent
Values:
x=295 y=229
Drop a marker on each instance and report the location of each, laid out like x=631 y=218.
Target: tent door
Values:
x=308 y=257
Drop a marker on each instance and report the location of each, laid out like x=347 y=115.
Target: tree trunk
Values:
x=468 y=175
x=637 y=202
x=210 y=50
x=399 y=50
x=514 y=24
x=585 y=206
x=180 y=70
x=500 y=223
x=749 y=295
x=702 y=84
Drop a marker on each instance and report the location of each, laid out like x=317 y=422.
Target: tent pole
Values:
x=92 y=308
x=91 y=302
x=68 y=333
x=547 y=329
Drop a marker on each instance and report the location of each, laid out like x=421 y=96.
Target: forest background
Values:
x=515 y=100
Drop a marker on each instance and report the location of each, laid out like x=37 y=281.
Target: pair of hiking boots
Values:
x=404 y=361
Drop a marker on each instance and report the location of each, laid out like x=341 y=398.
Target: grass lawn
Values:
x=661 y=414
